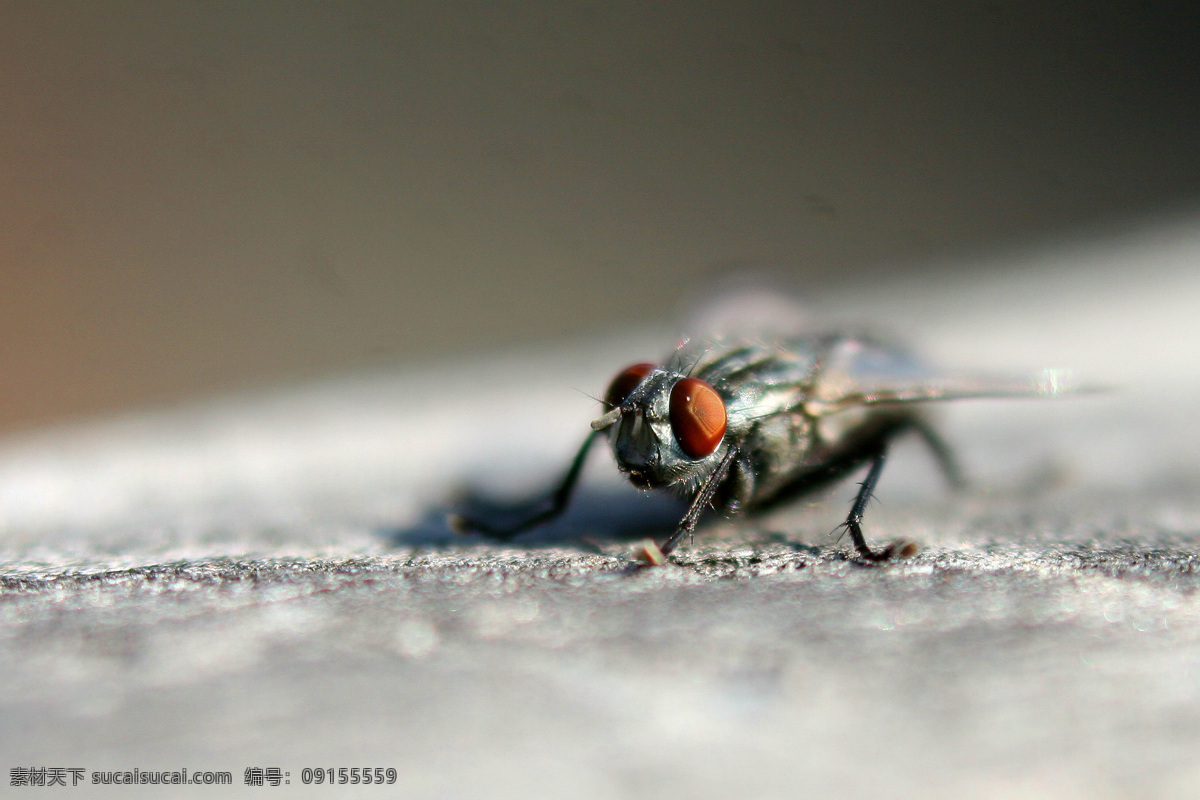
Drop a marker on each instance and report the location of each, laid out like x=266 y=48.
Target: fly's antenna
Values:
x=588 y=395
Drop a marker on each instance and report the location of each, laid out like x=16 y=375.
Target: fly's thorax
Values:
x=776 y=448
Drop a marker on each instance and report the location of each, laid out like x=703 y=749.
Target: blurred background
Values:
x=202 y=197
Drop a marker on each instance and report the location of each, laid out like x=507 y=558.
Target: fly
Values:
x=745 y=425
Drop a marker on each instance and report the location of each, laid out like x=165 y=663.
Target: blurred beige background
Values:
x=197 y=197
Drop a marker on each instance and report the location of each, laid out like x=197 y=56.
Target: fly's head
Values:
x=665 y=428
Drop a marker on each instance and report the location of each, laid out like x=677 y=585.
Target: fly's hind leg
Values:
x=947 y=462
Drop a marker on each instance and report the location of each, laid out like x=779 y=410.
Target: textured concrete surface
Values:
x=268 y=581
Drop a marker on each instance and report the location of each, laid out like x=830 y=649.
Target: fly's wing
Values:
x=857 y=373
x=746 y=306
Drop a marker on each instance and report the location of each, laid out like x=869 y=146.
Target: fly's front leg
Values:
x=703 y=498
x=901 y=548
x=557 y=502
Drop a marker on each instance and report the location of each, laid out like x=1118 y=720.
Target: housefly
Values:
x=745 y=425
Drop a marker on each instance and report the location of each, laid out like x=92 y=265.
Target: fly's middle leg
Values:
x=870 y=448
x=901 y=548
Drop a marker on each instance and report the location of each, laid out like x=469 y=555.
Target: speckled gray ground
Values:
x=267 y=581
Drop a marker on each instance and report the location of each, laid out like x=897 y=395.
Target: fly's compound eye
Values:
x=625 y=383
x=697 y=417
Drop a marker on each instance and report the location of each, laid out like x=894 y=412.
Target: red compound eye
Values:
x=625 y=382
x=697 y=417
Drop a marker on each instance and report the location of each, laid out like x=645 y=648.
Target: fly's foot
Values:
x=649 y=554
x=460 y=525
x=901 y=548
x=463 y=525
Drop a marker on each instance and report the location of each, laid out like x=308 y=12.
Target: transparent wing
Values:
x=749 y=306
x=860 y=373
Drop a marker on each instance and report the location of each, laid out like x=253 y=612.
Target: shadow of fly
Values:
x=747 y=425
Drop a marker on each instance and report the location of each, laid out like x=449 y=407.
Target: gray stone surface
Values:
x=267 y=581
